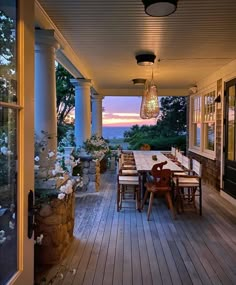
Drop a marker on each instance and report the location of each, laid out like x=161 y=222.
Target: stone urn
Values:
x=68 y=150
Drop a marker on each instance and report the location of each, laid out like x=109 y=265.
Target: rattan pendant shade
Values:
x=149 y=105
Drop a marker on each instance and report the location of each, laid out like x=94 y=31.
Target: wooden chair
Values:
x=128 y=186
x=161 y=184
x=127 y=159
x=145 y=147
x=185 y=166
x=179 y=156
x=188 y=187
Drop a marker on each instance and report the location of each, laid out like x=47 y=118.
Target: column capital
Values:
x=79 y=82
x=46 y=38
x=97 y=97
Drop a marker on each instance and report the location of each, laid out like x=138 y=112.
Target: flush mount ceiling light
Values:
x=139 y=81
x=145 y=59
x=160 y=8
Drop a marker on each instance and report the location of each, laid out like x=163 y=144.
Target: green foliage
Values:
x=65 y=99
x=173 y=116
x=169 y=131
x=7 y=59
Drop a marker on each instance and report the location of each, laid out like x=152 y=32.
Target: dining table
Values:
x=144 y=161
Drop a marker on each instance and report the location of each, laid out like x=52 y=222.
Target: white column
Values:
x=45 y=86
x=82 y=110
x=97 y=114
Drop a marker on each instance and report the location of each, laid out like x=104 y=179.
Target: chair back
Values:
x=185 y=162
x=179 y=156
x=173 y=151
x=145 y=147
x=162 y=177
x=158 y=166
x=197 y=167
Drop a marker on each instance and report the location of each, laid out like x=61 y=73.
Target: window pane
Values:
x=209 y=108
x=197 y=134
x=231 y=124
x=8 y=190
x=210 y=136
x=8 y=51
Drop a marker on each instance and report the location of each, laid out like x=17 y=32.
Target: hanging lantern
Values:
x=150 y=105
x=143 y=103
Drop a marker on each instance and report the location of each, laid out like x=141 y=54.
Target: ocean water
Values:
x=114 y=132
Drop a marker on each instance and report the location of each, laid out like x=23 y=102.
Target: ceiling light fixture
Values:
x=160 y=8
x=145 y=59
x=139 y=81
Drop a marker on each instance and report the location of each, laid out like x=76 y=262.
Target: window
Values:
x=202 y=127
x=209 y=121
x=196 y=121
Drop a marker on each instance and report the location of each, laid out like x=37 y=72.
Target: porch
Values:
x=124 y=248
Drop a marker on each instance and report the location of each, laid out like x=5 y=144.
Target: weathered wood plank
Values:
x=136 y=262
x=99 y=273
x=127 y=264
x=110 y=261
x=154 y=266
x=125 y=249
x=94 y=248
x=166 y=249
x=144 y=260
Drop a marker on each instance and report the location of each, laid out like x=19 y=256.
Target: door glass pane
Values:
x=8 y=51
x=8 y=194
x=8 y=142
x=231 y=124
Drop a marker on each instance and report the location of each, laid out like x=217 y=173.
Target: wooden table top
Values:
x=144 y=161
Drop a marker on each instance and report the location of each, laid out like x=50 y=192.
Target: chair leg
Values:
x=144 y=199
x=138 y=202
x=200 y=200
x=178 y=200
x=150 y=205
x=181 y=200
x=168 y=198
x=118 y=197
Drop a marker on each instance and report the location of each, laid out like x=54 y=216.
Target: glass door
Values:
x=230 y=139
x=15 y=246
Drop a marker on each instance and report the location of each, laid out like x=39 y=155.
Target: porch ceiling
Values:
x=105 y=35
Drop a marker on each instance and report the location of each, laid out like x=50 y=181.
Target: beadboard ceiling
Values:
x=198 y=39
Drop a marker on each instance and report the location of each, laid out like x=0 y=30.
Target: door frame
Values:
x=225 y=194
x=25 y=94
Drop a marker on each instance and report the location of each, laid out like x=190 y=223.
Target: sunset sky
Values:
x=123 y=111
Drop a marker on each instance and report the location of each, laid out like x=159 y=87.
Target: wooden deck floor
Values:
x=124 y=248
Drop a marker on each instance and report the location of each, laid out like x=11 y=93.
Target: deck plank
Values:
x=112 y=248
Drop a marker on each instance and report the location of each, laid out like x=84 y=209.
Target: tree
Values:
x=169 y=130
x=7 y=58
x=65 y=99
x=173 y=116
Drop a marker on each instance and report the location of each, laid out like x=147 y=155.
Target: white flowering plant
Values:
x=97 y=146
x=56 y=167
x=6 y=156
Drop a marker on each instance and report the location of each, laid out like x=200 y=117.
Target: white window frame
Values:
x=202 y=150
